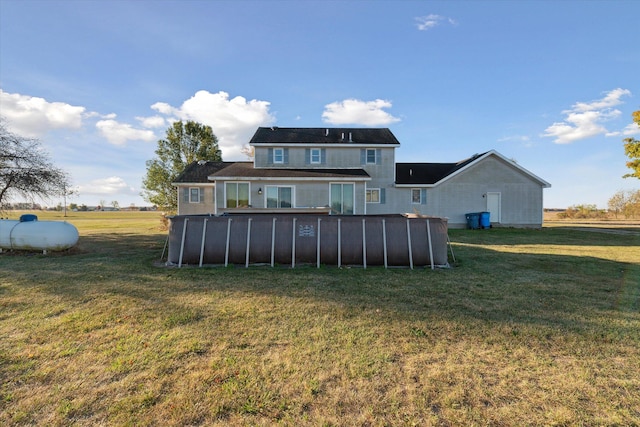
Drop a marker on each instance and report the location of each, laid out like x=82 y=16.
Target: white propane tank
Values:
x=31 y=234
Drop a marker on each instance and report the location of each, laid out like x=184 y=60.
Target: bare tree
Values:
x=248 y=151
x=26 y=170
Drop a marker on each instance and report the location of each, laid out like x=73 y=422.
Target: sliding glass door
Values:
x=342 y=198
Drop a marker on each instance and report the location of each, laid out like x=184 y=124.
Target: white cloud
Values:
x=585 y=119
x=119 y=133
x=628 y=131
x=153 y=122
x=30 y=116
x=106 y=186
x=233 y=120
x=354 y=111
x=516 y=138
x=163 y=107
x=428 y=22
x=523 y=140
x=611 y=99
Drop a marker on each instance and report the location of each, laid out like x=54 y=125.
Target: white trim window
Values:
x=196 y=195
x=373 y=195
x=279 y=196
x=278 y=155
x=192 y=195
x=236 y=195
x=416 y=196
x=371 y=156
x=342 y=198
x=315 y=156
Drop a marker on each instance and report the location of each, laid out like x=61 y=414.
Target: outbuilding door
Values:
x=494 y=206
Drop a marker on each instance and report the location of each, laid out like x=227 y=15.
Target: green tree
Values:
x=184 y=143
x=632 y=150
x=632 y=207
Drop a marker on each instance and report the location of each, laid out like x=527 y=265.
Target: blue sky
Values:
x=550 y=84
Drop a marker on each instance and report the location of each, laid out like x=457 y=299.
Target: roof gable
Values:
x=320 y=136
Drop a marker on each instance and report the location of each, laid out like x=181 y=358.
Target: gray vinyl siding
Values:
x=205 y=206
x=521 y=196
x=261 y=157
x=334 y=157
x=382 y=176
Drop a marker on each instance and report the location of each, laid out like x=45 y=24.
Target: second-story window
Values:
x=315 y=156
x=278 y=155
x=371 y=156
x=416 y=196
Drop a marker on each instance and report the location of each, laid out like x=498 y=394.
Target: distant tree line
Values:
x=584 y=211
x=30 y=206
x=623 y=204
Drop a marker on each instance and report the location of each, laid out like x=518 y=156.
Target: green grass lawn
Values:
x=529 y=327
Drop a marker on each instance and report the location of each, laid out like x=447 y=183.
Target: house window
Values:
x=279 y=197
x=371 y=156
x=196 y=195
x=373 y=195
x=416 y=196
x=342 y=198
x=237 y=194
x=278 y=155
x=315 y=156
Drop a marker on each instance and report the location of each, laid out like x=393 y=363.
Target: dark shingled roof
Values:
x=428 y=173
x=277 y=135
x=246 y=169
x=198 y=172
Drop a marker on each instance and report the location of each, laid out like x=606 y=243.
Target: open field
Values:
x=551 y=219
x=530 y=327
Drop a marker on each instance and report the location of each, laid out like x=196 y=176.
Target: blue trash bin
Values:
x=473 y=220
x=485 y=220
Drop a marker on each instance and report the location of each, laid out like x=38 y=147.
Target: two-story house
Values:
x=352 y=171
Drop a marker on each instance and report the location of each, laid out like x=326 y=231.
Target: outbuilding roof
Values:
x=320 y=136
x=428 y=174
